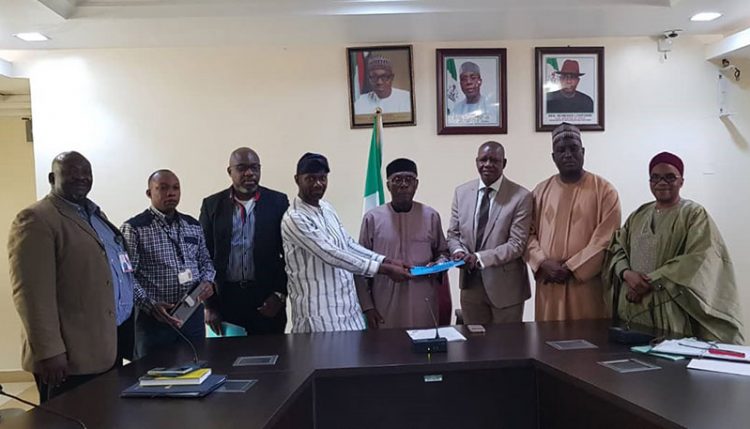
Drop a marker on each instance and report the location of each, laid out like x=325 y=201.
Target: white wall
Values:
x=16 y=176
x=133 y=111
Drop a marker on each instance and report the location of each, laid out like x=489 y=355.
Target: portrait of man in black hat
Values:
x=568 y=99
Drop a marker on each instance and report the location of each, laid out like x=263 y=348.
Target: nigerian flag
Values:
x=451 y=85
x=374 y=179
x=549 y=70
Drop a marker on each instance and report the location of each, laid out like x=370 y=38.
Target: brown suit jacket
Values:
x=505 y=277
x=62 y=288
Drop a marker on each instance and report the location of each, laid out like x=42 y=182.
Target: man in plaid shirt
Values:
x=169 y=257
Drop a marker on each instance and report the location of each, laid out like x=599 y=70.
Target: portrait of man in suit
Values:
x=242 y=227
x=489 y=228
x=568 y=99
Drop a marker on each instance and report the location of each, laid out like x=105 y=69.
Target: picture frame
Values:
x=569 y=87
x=471 y=91
x=381 y=77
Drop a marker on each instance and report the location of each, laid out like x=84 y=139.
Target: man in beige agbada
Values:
x=575 y=214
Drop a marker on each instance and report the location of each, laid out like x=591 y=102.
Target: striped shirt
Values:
x=321 y=260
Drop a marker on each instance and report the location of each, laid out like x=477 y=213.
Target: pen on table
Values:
x=716 y=350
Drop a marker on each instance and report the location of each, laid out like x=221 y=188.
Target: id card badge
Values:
x=185 y=276
x=125 y=264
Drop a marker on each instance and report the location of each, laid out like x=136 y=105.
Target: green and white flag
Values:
x=549 y=70
x=374 y=195
x=451 y=85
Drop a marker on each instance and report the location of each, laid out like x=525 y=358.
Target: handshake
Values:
x=396 y=270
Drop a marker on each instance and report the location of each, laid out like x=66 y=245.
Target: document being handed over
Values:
x=437 y=268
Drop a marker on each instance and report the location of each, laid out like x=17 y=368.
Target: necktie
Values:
x=483 y=216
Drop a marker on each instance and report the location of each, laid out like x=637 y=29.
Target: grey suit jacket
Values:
x=504 y=275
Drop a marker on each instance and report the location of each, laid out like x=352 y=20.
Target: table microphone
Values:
x=624 y=335
x=45 y=409
x=199 y=364
x=431 y=345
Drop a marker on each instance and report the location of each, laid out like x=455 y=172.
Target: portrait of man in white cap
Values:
x=382 y=94
x=568 y=99
x=475 y=108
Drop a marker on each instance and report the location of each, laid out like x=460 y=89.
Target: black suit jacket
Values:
x=268 y=254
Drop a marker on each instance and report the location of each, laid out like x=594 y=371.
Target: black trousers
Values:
x=125 y=338
x=238 y=304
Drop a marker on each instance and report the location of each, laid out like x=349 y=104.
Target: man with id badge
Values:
x=72 y=283
x=172 y=267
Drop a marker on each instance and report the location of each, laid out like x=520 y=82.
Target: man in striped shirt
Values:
x=322 y=258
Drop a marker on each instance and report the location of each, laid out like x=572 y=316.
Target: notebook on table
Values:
x=175 y=391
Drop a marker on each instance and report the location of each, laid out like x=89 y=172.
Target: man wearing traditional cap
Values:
x=668 y=266
x=567 y=99
x=383 y=95
x=408 y=231
x=475 y=108
x=575 y=214
x=322 y=258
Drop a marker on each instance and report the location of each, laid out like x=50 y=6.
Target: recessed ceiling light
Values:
x=705 y=16
x=32 y=37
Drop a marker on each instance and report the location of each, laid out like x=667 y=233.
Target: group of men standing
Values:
x=90 y=294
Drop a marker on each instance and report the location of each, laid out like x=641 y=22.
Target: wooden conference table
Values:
x=506 y=378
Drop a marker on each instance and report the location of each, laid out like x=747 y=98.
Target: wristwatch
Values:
x=281 y=296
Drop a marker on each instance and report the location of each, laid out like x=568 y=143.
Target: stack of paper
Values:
x=449 y=333
x=720 y=366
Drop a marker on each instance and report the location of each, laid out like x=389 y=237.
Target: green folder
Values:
x=647 y=350
x=230 y=330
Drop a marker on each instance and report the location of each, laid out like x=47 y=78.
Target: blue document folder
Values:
x=137 y=391
x=437 y=268
x=229 y=329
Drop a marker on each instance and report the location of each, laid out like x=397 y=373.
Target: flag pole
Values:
x=374 y=195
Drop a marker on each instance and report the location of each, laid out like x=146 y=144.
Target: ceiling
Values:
x=152 y=23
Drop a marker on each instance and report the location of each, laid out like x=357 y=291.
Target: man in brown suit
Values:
x=72 y=283
x=489 y=228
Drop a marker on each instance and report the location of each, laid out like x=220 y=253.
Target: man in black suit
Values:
x=242 y=228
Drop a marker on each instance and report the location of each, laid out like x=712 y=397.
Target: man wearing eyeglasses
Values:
x=575 y=214
x=242 y=226
x=670 y=265
x=408 y=231
x=383 y=95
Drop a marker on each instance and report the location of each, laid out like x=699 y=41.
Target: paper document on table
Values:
x=437 y=268
x=449 y=333
x=706 y=349
x=737 y=368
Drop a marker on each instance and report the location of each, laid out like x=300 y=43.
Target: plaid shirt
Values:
x=159 y=250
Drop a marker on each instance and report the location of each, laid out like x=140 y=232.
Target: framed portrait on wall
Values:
x=570 y=87
x=471 y=91
x=381 y=77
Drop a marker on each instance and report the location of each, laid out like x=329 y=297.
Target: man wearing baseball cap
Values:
x=322 y=258
x=669 y=267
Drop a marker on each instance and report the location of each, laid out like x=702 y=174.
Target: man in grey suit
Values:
x=489 y=228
